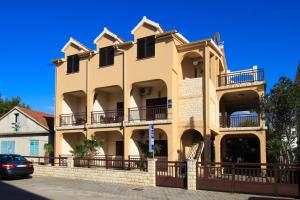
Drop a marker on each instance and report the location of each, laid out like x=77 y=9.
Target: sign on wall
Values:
x=151 y=138
x=169 y=103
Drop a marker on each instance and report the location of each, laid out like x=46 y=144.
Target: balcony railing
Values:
x=244 y=76
x=242 y=120
x=72 y=119
x=148 y=113
x=107 y=116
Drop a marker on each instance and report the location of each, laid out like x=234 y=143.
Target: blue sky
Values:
x=32 y=33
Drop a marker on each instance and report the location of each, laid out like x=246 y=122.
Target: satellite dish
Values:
x=217 y=37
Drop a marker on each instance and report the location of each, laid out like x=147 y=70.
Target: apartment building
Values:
x=199 y=108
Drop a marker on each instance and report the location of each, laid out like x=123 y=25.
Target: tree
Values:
x=7 y=104
x=282 y=114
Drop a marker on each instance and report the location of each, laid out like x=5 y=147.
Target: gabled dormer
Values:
x=107 y=38
x=146 y=27
x=74 y=47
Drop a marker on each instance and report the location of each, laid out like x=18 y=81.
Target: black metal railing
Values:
x=241 y=120
x=72 y=119
x=111 y=163
x=241 y=77
x=148 y=113
x=107 y=116
x=51 y=160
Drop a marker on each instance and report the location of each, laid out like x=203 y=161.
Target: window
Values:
x=34 y=147
x=146 y=47
x=106 y=56
x=72 y=64
x=16 y=117
x=7 y=147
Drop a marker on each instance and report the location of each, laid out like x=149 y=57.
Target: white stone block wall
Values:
x=133 y=177
x=191 y=174
x=191 y=99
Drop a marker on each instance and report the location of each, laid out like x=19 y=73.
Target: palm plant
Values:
x=88 y=148
x=48 y=148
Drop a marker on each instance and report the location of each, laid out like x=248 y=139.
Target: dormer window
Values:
x=146 y=47
x=106 y=56
x=72 y=64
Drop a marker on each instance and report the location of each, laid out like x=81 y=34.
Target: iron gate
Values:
x=171 y=174
x=266 y=179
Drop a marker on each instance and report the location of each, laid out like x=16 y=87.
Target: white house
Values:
x=24 y=131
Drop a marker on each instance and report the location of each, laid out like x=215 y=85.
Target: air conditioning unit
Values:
x=144 y=91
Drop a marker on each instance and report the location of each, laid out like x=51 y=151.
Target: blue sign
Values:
x=151 y=138
x=169 y=103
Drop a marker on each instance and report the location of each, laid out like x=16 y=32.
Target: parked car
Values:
x=13 y=165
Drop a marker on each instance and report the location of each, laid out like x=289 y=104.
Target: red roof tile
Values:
x=44 y=119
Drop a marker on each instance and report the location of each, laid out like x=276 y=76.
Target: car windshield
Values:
x=12 y=158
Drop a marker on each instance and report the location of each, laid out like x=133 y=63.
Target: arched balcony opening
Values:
x=148 y=101
x=239 y=109
x=108 y=106
x=73 y=109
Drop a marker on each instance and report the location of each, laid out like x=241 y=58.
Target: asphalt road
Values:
x=41 y=188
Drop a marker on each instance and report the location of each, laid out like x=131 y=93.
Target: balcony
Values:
x=149 y=113
x=239 y=120
x=75 y=119
x=241 y=77
x=107 y=117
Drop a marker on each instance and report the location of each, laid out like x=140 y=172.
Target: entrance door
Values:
x=119 y=148
x=120 y=111
x=156 y=108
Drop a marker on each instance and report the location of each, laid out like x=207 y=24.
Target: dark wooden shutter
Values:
x=150 y=43
x=69 y=64
x=110 y=55
x=75 y=63
x=141 y=48
x=102 y=56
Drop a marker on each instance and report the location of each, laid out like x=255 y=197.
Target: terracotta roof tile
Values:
x=45 y=119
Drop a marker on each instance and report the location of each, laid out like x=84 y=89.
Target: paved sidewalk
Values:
x=41 y=188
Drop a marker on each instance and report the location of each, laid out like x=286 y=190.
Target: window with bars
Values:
x=106 y=56
x=146 y=47
x=34 y=147
x=72 y=64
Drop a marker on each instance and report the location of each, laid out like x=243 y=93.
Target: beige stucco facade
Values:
x=186 y=74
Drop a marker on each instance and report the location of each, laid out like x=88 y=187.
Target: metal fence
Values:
x=239 y=120
x=72 y=119
x=267 y=179
x=148 y=113
x=111 y=163
x=40 y=160
x=241 y=77
x=107 y=116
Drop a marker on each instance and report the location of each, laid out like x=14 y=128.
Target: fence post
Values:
x=191 y=174
x=70 y=161
x=152 y=171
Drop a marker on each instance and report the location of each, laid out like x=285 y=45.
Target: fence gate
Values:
x=265 y=179
x=171 y=174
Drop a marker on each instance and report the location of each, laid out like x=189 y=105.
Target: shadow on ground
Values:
x=267 y=198
x=11 y=192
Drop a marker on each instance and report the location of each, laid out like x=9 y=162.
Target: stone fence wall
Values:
x=134 y=177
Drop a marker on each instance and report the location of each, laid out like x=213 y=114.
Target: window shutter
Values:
x=110 y=55
x=150 y=42
x=141 y=48
x=69 y=64
x=76 y=63
x=102 y=60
